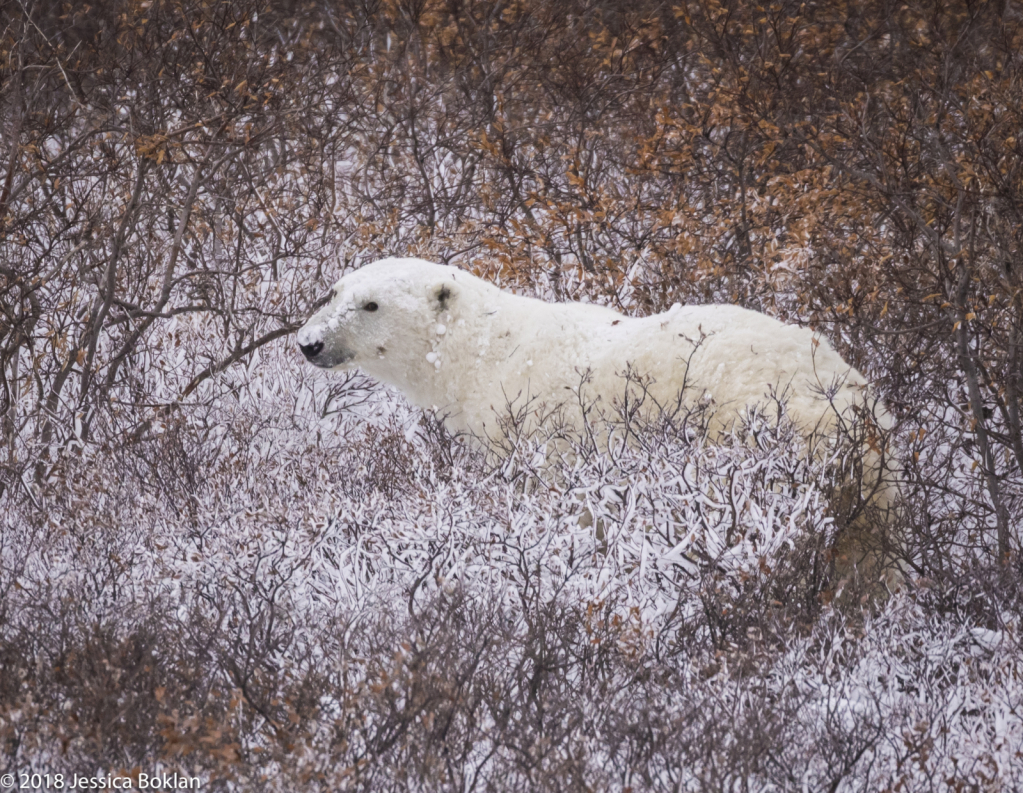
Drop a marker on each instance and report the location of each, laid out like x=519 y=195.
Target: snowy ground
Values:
x=395 y=612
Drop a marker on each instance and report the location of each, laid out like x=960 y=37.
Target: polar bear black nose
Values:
x=310 y=350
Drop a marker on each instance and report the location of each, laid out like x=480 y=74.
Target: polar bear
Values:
x=456 y=344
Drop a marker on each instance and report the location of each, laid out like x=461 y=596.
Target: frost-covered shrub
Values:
x=214 y=560
x=402 y=612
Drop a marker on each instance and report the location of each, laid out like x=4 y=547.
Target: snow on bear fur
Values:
x=454 y=343
x=457 y=344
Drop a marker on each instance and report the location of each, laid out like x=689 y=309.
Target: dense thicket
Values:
x=185 y=572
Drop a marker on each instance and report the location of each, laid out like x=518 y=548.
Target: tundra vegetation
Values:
x=217 y=561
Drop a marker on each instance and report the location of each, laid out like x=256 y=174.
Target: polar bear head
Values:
x=386 y=318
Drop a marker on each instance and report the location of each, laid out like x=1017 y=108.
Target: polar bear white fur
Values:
x=454 y=343
x=457 y=344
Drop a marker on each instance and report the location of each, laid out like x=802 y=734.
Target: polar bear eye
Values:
x=371 y=306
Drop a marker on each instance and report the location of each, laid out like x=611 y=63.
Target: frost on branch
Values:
x=658 y=611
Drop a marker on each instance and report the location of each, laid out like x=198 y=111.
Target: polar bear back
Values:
x=720 y=355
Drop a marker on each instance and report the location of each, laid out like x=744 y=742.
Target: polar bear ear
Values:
x=443 y=295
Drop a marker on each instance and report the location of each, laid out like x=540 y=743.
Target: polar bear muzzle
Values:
x=321 y=349
x=325 y=356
